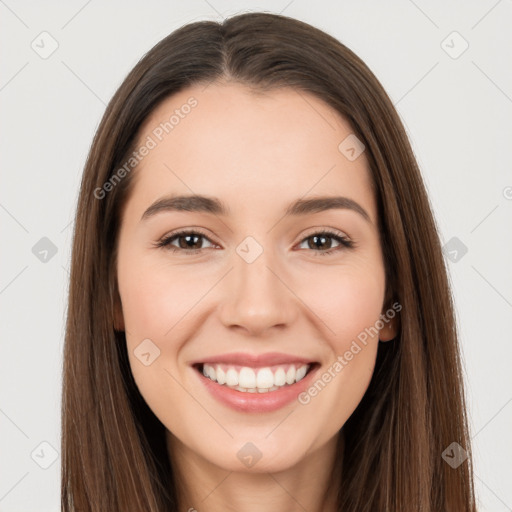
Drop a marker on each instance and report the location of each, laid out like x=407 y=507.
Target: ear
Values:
x=391 y=324
x=390 y=329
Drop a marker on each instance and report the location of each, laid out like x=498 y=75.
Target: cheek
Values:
x=160 y=303
x=346 y=301
x=156 y=297
x=348 y=306
x=359 y=307
x=155 y=301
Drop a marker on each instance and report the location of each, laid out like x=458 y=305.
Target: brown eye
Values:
x=188 y=241
x=322 y=242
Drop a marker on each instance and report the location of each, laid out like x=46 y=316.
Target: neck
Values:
x=312 y=484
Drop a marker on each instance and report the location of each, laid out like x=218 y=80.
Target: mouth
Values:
x=256 y=389
x=248 y=379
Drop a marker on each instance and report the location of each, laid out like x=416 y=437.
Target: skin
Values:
x=257 y=153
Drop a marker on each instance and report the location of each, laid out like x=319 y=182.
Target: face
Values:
x=242 y=285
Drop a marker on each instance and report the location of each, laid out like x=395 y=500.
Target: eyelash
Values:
x=344 y=242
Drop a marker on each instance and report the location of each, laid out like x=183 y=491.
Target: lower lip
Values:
x=256 y=402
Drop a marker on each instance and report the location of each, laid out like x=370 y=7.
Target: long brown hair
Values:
x=114 y=455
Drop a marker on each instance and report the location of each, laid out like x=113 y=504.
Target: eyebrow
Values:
x=204 y=204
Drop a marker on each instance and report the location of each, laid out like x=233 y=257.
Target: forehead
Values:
x=223 y=139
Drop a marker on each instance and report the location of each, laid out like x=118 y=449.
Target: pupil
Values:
x=188 y=238
x=323 y=238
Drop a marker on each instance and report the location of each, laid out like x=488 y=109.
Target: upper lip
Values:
x=254 y=360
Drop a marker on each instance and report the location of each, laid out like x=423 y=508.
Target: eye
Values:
x=320 y=240
x=187 y=241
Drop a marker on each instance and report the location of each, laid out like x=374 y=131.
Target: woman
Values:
x=259 y=313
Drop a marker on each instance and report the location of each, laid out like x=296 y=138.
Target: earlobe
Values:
x=391 y=327
x=389 y=331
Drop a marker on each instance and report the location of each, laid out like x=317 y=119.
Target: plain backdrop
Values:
x=446 y=66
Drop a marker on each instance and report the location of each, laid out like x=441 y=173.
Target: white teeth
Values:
x=255 y=380
x=231 y=377
x=280 y=377
x=265 y=378
x=221 y=375
x=211 y=372
x=299 y=375
x=246 y=378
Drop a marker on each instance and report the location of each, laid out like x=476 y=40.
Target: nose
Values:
x=257 y=297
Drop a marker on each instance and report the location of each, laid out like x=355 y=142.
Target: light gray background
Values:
x=457 y=112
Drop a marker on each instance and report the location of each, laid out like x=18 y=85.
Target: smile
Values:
x=249 y=383
x=255 y=380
